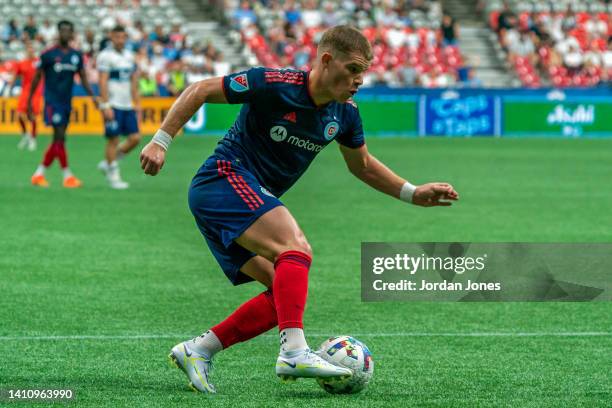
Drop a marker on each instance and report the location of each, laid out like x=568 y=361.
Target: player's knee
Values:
x=306 y=248
x=300 y=244
x=135 y=138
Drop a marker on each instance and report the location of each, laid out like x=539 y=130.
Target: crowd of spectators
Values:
x=414 y=42
x=566 y=48
x=168 y=60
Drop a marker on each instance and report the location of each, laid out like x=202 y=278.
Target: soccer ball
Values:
x=345 y=351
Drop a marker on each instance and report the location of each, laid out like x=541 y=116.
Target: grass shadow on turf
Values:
x=306 y=394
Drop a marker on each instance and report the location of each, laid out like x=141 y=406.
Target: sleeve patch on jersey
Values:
x=296 y=78
x=239 y=83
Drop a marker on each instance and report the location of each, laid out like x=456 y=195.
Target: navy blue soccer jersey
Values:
x=59 y=66
x=279 y=129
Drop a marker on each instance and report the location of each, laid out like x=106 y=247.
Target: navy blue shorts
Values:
x=57 y=115
x=125 y=123
x=225 y=200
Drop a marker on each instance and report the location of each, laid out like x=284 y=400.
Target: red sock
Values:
x=254 y=317
x=50 y=154
x=22 y=124
x=291 y=288
x=33 y=122
x=61 y=154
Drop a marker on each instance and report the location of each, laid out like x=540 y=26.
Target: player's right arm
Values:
x=11 y=83
x=210 y=90
x=103 y=63
x=37 y=76
x=187 y=104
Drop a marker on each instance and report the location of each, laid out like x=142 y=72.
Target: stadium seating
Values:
x=571 y=41
x=94 y=18
x=406 y=43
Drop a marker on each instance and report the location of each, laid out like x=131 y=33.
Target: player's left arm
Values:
x=134 y=89
x=374 y=173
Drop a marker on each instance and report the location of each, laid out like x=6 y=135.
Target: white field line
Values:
x=364 y=335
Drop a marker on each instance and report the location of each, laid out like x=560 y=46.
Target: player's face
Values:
x=345 y=75
x=65 y=34
x=119 y=39
x=30 y=52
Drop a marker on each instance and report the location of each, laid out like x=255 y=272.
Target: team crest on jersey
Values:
x=239 y=83
x=74 y=60
x=330 y=130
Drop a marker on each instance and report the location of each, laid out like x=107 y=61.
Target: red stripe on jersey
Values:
x=248 y=190
x=251 y=190
x=240 y=188
x=251 y=201
x=224 y=171
x=284 y=80
x=282 y=75
x=257 y=201
x=219 y=170
x=296 y=78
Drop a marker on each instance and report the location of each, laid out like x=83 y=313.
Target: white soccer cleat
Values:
x=307 y=364
x=103 y=166
x=114 y=179
x=118 y=184
x=196 y=366
x=31 y=144
x=23 y=142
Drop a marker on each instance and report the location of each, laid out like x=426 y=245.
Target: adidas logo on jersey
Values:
x=279 y=134
x=291 y=117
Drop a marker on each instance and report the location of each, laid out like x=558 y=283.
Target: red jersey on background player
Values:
x=26 y=69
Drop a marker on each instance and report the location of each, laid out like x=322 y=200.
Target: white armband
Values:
x=406 y=192
x=162 y=139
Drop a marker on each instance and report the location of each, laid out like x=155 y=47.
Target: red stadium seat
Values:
x=494 y=19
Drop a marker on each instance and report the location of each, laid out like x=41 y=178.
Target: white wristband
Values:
x=162 y=139
x=406 y=192
x=105 y=105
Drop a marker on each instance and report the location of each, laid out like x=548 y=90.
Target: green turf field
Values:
x=96 y=285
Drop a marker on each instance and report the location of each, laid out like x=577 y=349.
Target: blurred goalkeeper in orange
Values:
x=26 y=69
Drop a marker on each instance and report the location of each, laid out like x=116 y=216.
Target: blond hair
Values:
x=345 y=39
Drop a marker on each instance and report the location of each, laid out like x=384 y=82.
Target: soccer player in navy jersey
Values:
x=287 y=117
x=58 y=64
